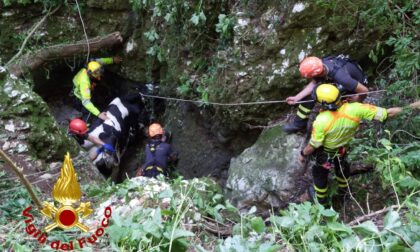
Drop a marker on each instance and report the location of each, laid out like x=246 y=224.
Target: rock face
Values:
x=268 y=173
x=22 y=106
x=200 y=154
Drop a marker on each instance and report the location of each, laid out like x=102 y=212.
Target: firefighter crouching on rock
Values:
x=84 y=83
x=338 y=69
x=333 y=128
x=158 y=153
x=79 y=130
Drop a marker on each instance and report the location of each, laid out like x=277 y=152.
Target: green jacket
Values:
x=82 y=86
x=334 y=129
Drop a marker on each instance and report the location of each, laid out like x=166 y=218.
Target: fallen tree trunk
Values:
x=34 y=60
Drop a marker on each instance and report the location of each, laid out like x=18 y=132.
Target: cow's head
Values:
x=107 y=162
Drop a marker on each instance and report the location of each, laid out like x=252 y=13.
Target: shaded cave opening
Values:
x=54 y=84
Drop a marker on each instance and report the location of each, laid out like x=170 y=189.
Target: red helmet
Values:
x=78 y=126
x=311 y=67
x=155 y=129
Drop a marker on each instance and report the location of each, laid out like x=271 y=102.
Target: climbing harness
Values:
x=154 y=166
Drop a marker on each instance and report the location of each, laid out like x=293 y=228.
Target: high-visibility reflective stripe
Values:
x=304 y=109
x=315 y=143
x=320 y=190
x=301 y=115
x=342 y=185
x=379 y=115
x=320 y=196
x=343 y=180
x=85 y=102
x=151 y=167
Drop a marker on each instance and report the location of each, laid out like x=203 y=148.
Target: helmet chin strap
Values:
x=329 y=106
x=333 y=106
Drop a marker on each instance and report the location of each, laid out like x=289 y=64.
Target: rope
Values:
x=84 y=30
x=243 y=103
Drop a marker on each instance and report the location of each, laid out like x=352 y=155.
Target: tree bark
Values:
x=34 y=60
x=22 y=178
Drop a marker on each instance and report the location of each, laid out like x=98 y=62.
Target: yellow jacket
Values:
x=82 y=86
x=334 y=129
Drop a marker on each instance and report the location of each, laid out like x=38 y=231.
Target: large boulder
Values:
x=268 y=173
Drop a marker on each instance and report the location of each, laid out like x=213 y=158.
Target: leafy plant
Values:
x=225 y=26
x=45 y=3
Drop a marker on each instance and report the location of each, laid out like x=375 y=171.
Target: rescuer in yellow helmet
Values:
x=333 y=129
x=84 y=83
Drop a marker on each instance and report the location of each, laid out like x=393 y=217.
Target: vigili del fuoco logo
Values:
x=67 y=214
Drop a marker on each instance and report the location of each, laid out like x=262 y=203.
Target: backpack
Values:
x=339 y=61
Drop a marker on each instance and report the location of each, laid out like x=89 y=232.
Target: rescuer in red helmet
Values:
x=79 y=130
x=339 y=69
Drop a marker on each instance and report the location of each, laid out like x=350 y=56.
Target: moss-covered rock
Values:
x=46 y=140
x=267 y=174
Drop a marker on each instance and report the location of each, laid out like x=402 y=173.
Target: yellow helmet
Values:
x=95 y=68
x=155 y=129
x=327 y=94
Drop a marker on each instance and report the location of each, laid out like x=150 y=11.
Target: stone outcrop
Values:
x=268 y=173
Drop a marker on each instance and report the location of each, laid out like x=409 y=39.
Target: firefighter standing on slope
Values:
x=84 y=83
x=158 y=153
x=341 y=70
x=332 y=130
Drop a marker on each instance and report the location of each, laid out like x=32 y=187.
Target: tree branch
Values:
x=35 y=27
x=22 y=178
x=369 y=216
x=38 y=58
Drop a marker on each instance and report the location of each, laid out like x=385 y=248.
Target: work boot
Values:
x=297 y=125
x=314 y=199
x=311 y=192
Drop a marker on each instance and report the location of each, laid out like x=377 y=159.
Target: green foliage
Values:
x=182 y=32
x=397 y=165
x=307 y=227
x=237 y=243
x=159 y=226
x=225 y=26
x=398 y=56
x=14 y=199
x=45 y=3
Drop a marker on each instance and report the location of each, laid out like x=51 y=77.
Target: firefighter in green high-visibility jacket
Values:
x=333 y=128
x=84 y=83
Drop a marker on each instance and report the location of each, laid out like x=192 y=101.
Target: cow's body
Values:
x=125 y=114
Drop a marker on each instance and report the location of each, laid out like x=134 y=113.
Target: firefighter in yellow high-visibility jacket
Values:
x=84 y=82
x=333 y=128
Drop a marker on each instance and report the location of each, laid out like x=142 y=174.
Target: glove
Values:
x=108 y=147
x=117 y=60
x=100 y=150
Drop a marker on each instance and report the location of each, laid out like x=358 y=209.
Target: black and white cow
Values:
x=126 y=115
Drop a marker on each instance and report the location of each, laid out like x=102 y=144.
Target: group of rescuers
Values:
x=335 y=125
